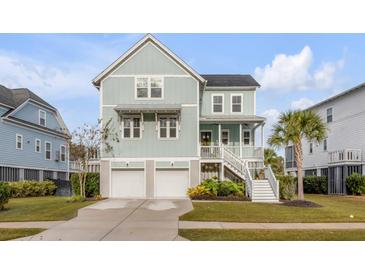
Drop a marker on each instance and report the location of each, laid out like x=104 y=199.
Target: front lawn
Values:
x=334 y=209
x=272 y=235
x=13 y=233
x=49 y=208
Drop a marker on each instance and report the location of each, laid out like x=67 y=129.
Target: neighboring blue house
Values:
x=33 y=138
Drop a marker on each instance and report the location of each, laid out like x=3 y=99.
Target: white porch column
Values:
x=219 y=134
x=221 y=171
x=240 y=134
x=262 y=135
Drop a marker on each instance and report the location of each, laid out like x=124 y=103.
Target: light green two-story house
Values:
x=176 y=127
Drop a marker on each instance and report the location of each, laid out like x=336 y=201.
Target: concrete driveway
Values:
x=121 y=219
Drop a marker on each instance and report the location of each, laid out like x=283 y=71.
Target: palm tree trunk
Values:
x=298 y=152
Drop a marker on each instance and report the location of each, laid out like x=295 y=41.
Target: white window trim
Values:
x=45 y=150
x=149 y=87
x=16 y=141
x=62 y=146
x=228 y=135
x=331 y=107
x=132 y=127
x=236 y=95
x=40 y=145
x=243 y=137
x=212 y=99
x=168 y=128
x=45 y=117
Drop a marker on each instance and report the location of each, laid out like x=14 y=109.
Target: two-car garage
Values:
x=159 y=180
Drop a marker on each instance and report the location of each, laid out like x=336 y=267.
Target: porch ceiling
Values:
x=233 y=118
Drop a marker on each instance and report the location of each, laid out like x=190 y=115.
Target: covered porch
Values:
x=243 y=137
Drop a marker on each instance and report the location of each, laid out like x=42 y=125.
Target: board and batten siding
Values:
x=28 y=157
x=347 y=130
x=30 y=113
x=179 y=87
x=248 y=105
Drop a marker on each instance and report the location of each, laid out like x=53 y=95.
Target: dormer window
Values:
x=42 y=118
x=149 y=87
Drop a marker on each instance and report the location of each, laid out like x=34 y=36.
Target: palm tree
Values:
x=292 y=128
x=276 y=162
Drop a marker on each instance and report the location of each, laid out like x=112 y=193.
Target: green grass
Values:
x=40 y=209
x=13 y=233
x=272 y=235
x=335 y=209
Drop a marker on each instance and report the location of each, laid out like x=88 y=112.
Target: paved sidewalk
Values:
x=45 y=224
x=228 y=225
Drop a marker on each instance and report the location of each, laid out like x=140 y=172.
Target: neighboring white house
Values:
x=343 y=151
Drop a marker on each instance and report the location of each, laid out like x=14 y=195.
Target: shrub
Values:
x=287 y=186
x=228 y=188
x=315 y=184
x=5 y=194
x=22 y=189
x=92 y=184
x=211 y=185
x=199 y=190
x=76 y=199
x=356 y=184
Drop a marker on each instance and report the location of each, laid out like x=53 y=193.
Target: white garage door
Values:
x=128 y=184
x=171 y=183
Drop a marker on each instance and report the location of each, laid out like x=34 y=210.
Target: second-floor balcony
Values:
x=344 y=155
x=244 y=152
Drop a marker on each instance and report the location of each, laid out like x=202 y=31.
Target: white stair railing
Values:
x=269 y=174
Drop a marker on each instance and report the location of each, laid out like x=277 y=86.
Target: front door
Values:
x=205 y=138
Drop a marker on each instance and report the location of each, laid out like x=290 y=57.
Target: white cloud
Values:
x=47 y=81
x=302 y=103
x=292 y=72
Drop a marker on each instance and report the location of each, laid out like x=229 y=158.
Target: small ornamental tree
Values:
x=86 y=143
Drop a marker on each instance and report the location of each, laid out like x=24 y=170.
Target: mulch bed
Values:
x=299 y=203
x=220 y=198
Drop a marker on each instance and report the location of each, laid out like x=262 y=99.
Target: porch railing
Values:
x=344 y=155
x=244 y=152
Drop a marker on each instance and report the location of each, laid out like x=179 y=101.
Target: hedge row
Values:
x=92 y=185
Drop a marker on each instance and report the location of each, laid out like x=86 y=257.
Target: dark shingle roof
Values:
x=230 y=80
x=16 y=97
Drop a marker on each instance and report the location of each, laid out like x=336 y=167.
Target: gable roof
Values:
x=146 y=39
x=15 y=97
x=230 y=80
x=353 y=89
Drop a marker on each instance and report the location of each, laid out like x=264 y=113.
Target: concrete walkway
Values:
x=45 y=224
x=228 y=225
x=121 y=219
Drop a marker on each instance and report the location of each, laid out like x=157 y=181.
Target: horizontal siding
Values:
x=346 y=131
x=30 y=113
x=177 y=90
x=248 y=102
x=28 y=157
x=3 y=110
x=149 y=60
x=150 y=145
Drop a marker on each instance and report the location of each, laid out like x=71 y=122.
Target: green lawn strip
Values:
x=335 y=209
x=13 y=233
x=40 y=209
x=272 y=235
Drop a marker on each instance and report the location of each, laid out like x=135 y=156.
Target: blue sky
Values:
x=295 y=70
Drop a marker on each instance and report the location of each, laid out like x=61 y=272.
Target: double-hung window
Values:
x=310 y=148
x=168 y=127
x=42 y=117
x=149 y=87
x=236 y=103
x=131 y=128
x=37 y=145
x=217 y=103
x=329 y=115
x=48 y=150
x=246 y=138
x=225 y=136
x=325 y=144
x=63 y=153
x=19 y=141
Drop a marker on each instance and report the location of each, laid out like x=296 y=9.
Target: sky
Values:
x=294 y=70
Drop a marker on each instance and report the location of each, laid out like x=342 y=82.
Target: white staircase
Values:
x=260 y=191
